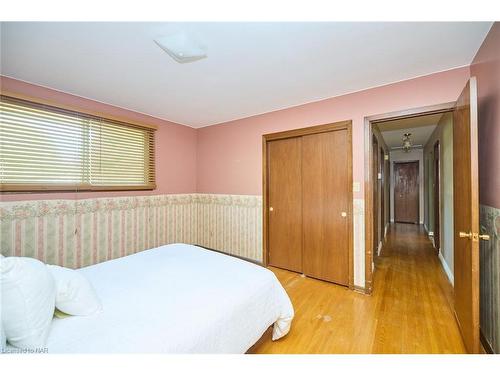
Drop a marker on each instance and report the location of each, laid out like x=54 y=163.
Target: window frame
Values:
x=149 y=151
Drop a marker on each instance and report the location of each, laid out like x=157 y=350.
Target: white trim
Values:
x=446 y=269
x=379 y=249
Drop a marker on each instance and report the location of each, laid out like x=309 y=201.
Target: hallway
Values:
x=410 y=310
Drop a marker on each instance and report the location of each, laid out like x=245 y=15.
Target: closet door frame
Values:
x=341 y=125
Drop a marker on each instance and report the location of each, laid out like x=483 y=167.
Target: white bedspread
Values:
x=176 y=299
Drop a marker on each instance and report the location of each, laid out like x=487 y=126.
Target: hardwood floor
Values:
x=410 y=310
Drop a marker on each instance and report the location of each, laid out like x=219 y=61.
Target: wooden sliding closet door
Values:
x=285 y=203
x=325 y=201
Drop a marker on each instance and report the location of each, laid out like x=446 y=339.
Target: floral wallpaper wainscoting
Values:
x=78 y=233
x=490 y=277
x=231 y=223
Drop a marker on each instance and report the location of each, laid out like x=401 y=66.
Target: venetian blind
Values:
x=48 y=148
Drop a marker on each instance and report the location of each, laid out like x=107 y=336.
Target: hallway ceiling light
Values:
x=407 y=145
x=407 y=142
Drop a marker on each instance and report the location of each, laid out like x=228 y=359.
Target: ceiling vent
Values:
x=181 y=47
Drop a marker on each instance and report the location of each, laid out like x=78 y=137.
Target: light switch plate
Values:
x=379 y=176
x=356 y=187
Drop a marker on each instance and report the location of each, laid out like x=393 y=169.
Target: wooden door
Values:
x=375 y=202
x=285 y=203
x=382 y=195
x=326 y=184
x=466 y=215
x=406 y=191
x=437 y=197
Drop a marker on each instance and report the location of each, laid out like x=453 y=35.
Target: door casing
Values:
x=370 y=121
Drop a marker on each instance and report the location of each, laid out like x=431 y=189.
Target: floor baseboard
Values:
x=360 y=289
x=446 y=269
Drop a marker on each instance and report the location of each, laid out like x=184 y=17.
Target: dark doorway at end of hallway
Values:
x=406 y=192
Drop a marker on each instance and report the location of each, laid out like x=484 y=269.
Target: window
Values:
x=48 y=148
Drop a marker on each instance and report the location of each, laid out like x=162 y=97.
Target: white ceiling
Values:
x=420 y=127
x=251 y=68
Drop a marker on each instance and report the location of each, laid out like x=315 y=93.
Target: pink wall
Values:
x=486 y=67
x=230 y=154
x=175 y=145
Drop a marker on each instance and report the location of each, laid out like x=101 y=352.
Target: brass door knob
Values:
x=474 y=236
x=484 y=237
x=465 y=234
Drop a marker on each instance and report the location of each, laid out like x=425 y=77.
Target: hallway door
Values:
x=376 y=239
x=382 y=194
x=466 y=215
x=406 y=191
x=437 y=196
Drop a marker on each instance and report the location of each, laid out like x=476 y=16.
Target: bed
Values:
x=176 y=299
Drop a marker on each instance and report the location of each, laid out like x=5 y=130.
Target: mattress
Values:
x=176 y=299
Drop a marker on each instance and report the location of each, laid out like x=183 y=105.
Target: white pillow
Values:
x=75 y=295
x=28 y=301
